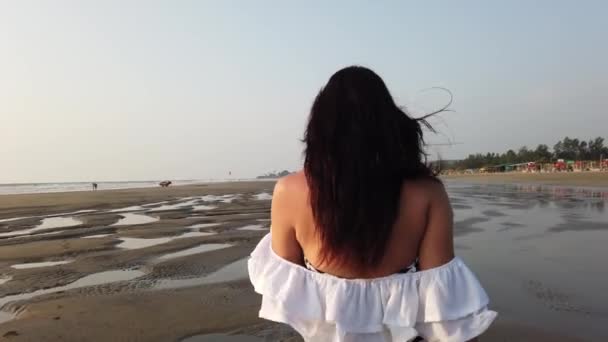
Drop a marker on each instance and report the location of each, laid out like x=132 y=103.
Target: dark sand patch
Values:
x=39 y=250
x=56 y=235
x=100 y=219
x=25 y=223
x=175 y=214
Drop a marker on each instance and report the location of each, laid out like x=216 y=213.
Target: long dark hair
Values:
x=360 y=147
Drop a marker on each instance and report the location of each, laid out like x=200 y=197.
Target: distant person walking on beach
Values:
x=94 y=186
x=361 y=245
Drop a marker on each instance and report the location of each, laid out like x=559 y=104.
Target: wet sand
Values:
x=540 y=252
x=591 y=179
x=176 y=270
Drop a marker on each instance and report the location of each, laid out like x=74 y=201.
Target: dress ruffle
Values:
x=445 y=303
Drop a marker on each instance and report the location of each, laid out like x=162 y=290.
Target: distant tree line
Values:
x=274 y=174
x=569 y=149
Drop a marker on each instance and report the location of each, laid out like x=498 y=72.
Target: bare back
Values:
x=422 y=230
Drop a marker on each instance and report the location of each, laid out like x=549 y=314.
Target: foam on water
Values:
x=40 y=264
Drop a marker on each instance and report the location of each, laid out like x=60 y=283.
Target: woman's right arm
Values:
x=437 y=246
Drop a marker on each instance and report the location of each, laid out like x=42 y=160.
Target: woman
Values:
x=361 y=245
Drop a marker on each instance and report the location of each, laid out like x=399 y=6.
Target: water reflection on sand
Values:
x=539 y=250
x=45 y=224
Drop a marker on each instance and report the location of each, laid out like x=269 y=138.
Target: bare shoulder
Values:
x=282 y=215
x=286 y=197
x=424 y=189
x=437 y=247
x=294 y=182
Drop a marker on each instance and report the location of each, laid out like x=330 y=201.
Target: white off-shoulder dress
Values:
x=446 y=303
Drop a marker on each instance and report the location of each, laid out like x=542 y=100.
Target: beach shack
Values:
x=560 y=165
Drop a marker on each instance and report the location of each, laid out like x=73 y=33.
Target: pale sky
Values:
x=143 y=90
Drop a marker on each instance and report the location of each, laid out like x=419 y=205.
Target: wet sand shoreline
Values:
x=578 y=179
x=164 y=287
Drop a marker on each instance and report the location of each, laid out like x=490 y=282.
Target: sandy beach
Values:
x=169 y=264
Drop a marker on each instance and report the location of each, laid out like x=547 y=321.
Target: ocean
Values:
x=33 y=188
